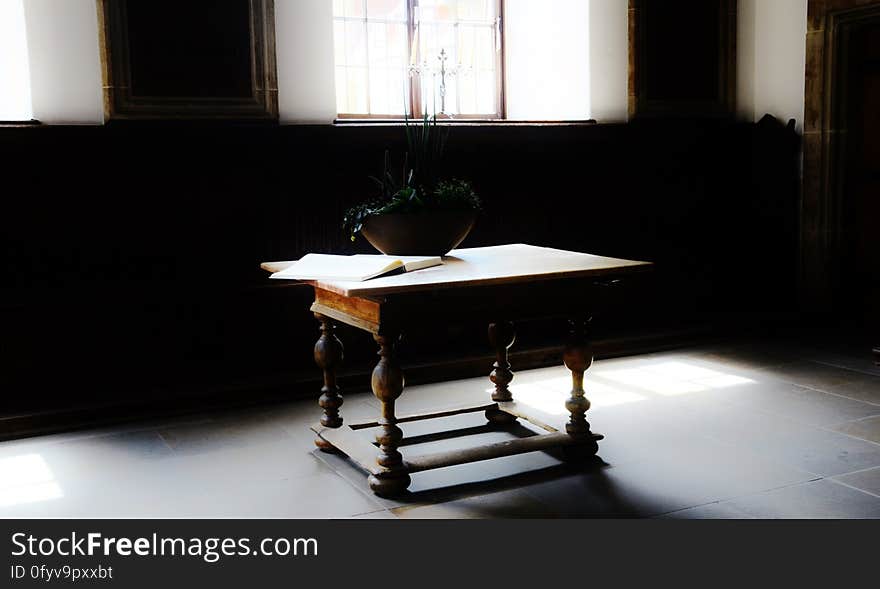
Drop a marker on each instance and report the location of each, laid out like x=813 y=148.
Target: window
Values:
x=418 y=56
x=15 y=83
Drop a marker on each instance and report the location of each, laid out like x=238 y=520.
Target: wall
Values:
x=746 y=45
x=771 y=41
x=547 y=55
x=15 y=97
x=568 y=63
x=609 y=53
x=546 y=49
x=141 y=282
x=304 y=52
x=65 y=61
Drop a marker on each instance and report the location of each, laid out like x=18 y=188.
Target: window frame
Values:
x=121 y=103
x=640 y=101
x=415 y=84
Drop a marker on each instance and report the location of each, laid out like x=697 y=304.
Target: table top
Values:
x=485 y=266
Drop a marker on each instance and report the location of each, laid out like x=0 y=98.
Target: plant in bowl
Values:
x=419 y=212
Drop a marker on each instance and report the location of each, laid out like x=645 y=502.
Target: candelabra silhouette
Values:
x=441 y=71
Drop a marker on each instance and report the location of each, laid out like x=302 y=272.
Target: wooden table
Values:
x=498 y=284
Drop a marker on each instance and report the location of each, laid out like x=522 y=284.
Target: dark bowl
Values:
x=418 y=234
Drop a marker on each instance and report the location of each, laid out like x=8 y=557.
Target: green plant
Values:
x=420 y=186
x=425 y=145
x=456 y=195
x=388 y=185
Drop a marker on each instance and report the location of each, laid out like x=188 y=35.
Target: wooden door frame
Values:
x=829 y=25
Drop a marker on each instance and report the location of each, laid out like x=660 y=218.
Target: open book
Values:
x=356 y=268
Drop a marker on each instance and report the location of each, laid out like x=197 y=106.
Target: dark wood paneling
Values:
x=131 y=252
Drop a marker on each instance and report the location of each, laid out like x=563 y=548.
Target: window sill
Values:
x=346 y=122
x=30 y=123
x=334 y=123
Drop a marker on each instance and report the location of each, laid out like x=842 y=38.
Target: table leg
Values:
x=501 y=336
x=388 y=383
x=328 y=356
x=578 y=356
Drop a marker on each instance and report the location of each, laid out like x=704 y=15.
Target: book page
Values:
x=409 y=262
x=330 y=267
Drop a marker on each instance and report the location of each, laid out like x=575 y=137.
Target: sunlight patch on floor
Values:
x=619 y=386
x=26 y=479
x=650 y=381
x=549 y=395
x=673 y=378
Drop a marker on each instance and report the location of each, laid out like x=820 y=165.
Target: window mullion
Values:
x=458 y=43
x=367 y=54
x=414 y=77
x=500 y=101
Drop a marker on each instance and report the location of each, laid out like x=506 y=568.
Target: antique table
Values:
x=499 y=284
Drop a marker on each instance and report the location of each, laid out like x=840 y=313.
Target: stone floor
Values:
x=726 y=431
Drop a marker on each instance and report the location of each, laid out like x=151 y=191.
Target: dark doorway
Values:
x=860 y=175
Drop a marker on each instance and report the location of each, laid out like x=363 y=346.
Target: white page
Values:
x=359 y=267
x=410 y=262
x=326 y=266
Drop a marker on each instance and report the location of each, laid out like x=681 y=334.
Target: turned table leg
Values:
x=501 y=337
x=578 y=356
x=388 y=383
x=328 y=356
